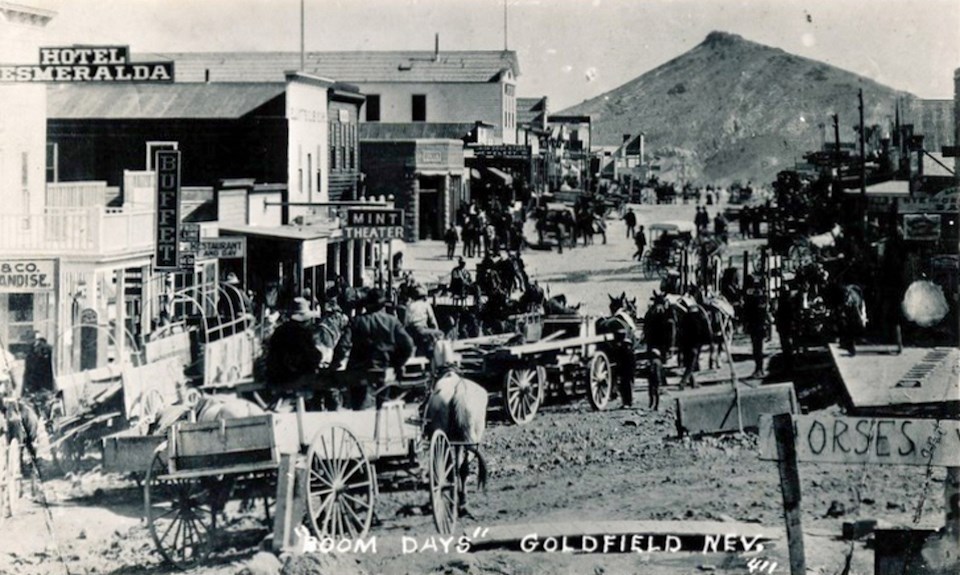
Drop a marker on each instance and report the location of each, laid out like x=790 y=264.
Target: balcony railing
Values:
x=88 y=231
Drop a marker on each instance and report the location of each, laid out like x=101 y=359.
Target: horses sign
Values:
x=869 y=440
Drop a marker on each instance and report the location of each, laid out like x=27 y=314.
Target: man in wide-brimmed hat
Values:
x=292 y=354
x=373 y=342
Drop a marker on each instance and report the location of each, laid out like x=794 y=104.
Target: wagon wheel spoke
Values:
x=182 y=527
x=522 y=392
x=340 y=494
x=443 y=486
x=599 y=382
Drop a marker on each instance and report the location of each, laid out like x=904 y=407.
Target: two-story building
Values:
x=400 y=86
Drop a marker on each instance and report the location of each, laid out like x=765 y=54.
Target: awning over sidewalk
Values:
x=505 y=177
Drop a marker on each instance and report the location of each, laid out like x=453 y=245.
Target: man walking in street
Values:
x=450 y=237
x=630 y=218
x=755 y=320
x=640 y=240
x=656 y=378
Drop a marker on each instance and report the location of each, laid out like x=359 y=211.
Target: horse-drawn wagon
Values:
x=569 y=357
x=327 y=466
x=667 y=240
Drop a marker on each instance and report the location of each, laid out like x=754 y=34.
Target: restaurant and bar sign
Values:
x=222 y=248
x=369 y=224
x=27 y=275
x=168 y=210
x=87 y=64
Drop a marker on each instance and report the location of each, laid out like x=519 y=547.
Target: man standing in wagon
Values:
x=373 y=342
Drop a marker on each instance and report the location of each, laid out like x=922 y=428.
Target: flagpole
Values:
x=302 y=10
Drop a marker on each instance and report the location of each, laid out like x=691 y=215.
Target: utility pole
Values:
x=504 y=25
x=863 y=155
x=302 y=35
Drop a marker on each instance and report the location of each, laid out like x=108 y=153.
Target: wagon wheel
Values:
x=600 y=380
x=341 y=485
x=444 y=491
x=180 y=518
x=67 y=454
x=523 y=390
x=4 y=478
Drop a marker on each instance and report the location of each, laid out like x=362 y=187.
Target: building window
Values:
x=152 y=148
x=309 y=179
x=419 y=108
x=373 y=107
x=53 y=161
x=21 y=318
x=333 y=158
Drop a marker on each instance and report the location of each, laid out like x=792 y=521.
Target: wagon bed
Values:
x=569 y=357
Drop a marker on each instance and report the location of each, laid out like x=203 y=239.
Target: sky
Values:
x=569 y=50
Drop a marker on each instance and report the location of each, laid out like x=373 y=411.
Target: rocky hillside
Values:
x=732 y=109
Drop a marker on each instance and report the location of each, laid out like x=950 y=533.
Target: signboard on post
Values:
x=869 y=440
x=27 y=275
x=374 y=224
x=921 y=226
x=222 y=248
x=167 y=254
x=501 y=151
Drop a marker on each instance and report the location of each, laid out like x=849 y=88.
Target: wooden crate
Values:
x=129 y=452
x=223 y=444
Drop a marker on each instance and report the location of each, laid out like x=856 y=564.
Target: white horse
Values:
x=458 y=406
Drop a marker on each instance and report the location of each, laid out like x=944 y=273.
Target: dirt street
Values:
x=570 y=465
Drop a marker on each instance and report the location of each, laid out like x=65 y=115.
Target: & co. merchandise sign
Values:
x=27 y=275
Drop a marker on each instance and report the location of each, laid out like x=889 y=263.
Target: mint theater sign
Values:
x=87 y=64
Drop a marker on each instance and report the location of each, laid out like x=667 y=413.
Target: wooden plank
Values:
x=878 y=378
x=715 y=410
x=226 y=436
x=557 y=345
x=284 y=520
x=129 y=452
x=790 y=489
x=859 y=440
x=228 y=470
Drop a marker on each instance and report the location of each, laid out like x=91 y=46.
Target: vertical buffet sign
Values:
x=167 y=252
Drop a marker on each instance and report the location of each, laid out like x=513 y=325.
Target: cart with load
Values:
x=568 y=358
x=326 y=466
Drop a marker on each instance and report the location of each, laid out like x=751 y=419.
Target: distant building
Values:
x=401 y=87
x=23 y=308
x=272 y=132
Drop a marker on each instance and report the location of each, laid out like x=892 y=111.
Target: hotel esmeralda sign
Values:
x=87 y=64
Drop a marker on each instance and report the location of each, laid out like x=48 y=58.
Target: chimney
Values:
x=436 y=47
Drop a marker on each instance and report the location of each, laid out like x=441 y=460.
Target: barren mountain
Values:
x=732 y=109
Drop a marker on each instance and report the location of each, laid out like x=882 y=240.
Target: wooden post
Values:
x=951 y=493
x=790 y=488
x=284 y=519
x=746 y=263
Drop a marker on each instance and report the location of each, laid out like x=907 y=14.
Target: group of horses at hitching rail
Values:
x=515 y=343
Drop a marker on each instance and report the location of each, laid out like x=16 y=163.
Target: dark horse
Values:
x=622 y=322
x=660 y=326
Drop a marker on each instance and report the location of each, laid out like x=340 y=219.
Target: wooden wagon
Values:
x=326 y=466
x=568 y=358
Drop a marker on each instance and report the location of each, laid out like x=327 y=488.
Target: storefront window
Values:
x=21 y=316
